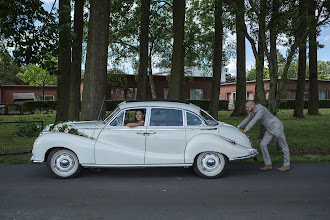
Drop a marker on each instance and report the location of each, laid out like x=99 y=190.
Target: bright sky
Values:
x=323 y=53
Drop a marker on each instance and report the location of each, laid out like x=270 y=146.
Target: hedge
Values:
x=289 y=103
x=204 y=104
x=33 y=106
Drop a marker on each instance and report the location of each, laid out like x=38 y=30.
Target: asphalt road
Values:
x=30 y=192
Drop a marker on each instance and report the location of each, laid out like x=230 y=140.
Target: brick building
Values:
x=19 y=93
x=196 y=88
x=228 y=90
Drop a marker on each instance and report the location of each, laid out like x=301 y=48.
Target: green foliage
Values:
x=34 y=106
x=205 y=103
x=29 y=130
x=252 y=74
x=289 y=103
x=36 y=76
x=28 y=28
x=8 y=69
x=116 y=77
x=112 y=104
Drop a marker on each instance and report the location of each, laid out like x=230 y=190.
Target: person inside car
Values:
x=139 y=116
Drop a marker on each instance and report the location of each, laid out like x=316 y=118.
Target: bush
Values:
x=29 y=130
x=112 y=104
x=34 y=106
x=289 y=103
x=204 y=104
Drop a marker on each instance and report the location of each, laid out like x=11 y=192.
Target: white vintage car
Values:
x=173 y=134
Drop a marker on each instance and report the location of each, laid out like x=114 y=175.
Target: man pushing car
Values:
x=273 y=126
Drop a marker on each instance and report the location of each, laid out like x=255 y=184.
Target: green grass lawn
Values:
x=308 y=138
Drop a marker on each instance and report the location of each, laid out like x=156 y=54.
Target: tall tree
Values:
x=74 y=99
x=260 y=96
x=299 y=102
x=94 y=91
x=240 y=109
x=313 y=104
x=143 y=64
x=177 y=84
x=217 y=59
x=64 y=61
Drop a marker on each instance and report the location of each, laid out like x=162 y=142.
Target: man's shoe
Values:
x=266 y=167
x=284 y=168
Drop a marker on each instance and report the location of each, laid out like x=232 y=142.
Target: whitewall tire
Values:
x=63 y=163
x=210 y=165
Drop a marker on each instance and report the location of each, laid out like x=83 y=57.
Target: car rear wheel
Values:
x=210 y=165
x=63 y=163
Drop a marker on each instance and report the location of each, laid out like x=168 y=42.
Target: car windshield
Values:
x=208 y=118
x=109 y=116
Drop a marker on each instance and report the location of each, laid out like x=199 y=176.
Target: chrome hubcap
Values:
x=64 y=162
x=210 y=162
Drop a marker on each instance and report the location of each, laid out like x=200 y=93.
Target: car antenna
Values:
x=98 y=118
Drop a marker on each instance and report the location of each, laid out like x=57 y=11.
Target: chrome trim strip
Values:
x=254 y=154
x=138 y=165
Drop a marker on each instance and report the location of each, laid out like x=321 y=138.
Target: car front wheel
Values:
x=63 y=163
x=210 y=165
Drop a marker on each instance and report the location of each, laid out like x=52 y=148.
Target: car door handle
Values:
x=151 y=132
x=141 y=132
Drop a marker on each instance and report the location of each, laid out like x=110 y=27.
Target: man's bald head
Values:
x=250 y=106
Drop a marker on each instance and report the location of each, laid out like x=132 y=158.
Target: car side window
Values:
x=193 y=120
x=166 y=117
x=119 y=120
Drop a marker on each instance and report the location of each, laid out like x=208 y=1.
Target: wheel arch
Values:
x=209 y=142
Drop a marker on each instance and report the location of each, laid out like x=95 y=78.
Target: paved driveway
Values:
x=30 y=192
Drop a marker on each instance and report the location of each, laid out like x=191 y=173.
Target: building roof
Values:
x=265 y=80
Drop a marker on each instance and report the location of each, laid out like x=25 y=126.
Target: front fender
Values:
x=212 y=142
x=83 y=147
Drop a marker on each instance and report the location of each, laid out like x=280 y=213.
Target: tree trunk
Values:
x=299 y=102
x=176 y=83
x=64 y=61
x=74 y=105
x=151 y=80
x=313 y=103
x=273 y=66
x=217 y=60
x=96 y=61
x=260 y=94
x=240 y=109
x=143 y=67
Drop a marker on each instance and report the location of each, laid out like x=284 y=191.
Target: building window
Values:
x=306 y=94
x=249 y=95
x=323 y=94
x=47 y=98
x=130 y=93
x=165 y=93
x=196 y=94
x=231 y=96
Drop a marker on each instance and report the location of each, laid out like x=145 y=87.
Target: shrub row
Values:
x=34 y=106
x=289 y=103
x=42 y=106
x=203 y=103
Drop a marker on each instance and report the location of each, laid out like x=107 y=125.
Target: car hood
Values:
x=88 y=129
x=85 y=124
x=231 y=133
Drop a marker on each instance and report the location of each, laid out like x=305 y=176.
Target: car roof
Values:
x=166 y=104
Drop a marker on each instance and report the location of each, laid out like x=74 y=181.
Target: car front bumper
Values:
x=253 y=154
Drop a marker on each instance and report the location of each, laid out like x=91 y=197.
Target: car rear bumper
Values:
x=253 y=154
x=33 y=160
